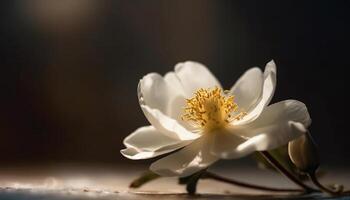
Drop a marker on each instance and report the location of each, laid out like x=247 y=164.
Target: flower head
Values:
x=191 y=113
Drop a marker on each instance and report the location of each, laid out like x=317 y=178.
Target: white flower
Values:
x=190 y=113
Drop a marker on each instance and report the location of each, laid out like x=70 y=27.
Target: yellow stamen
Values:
x=211 y=109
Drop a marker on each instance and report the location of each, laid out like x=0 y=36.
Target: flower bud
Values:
x=303 y=153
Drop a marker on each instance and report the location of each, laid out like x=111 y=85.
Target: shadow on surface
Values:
x=28 y=194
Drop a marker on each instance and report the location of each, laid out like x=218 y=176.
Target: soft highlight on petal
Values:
x=148 y=138
x=247 y=90
x=194 y=76
x=168 y=126
x=269 y=139
x=155 y=92
x=147 y=142
x=281 y=112
x=278 y=124
x=225 y=143
x=266 y=95
x=134 y=154
x=186 y=161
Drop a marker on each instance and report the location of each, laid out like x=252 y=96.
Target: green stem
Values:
x=285 y=172
x=321 y=187
x=216 y=177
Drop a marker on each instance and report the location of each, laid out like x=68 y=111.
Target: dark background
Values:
x=69 y=69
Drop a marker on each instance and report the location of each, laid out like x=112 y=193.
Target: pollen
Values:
x=211 y=109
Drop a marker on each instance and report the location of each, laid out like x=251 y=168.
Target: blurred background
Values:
x=70 y=68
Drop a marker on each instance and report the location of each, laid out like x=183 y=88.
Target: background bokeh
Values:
x=69 y=69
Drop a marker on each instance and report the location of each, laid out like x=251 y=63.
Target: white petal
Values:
x=168 y=126
x=155 y=92
x=147 y=138
x=194 y=76
x=269 y=139
x=278 y=124
x=176 y=106
x=172 y=79
x=176 y=110
x=266 y=95
x=282 y=112
x=186 y=161
x=225 y=144
x=247 y=90
x=134 y=154
x=147 y=142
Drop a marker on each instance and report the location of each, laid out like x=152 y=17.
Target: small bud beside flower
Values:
x=303 y=153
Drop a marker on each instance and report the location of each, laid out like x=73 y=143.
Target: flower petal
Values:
x=247 y=90
x=175 y=109
x=281 y=112
x=172 y=79
x=147 y=138
x=147 y=142
x=186 y=161
x=269 y=139
x=234 y=145
x=155 y=92
x=134 y=154
x=225 y=144
x=266 y=95
x=194 y=76
x=167 y=126
x=278 y=124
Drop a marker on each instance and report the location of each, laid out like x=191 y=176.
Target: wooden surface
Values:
x=96 y=182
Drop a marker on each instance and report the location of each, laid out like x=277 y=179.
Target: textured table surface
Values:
x=96 y=182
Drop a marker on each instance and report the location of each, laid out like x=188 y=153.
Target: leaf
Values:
x=143 y=179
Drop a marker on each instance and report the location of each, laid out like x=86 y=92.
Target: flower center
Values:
x=211 y=109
